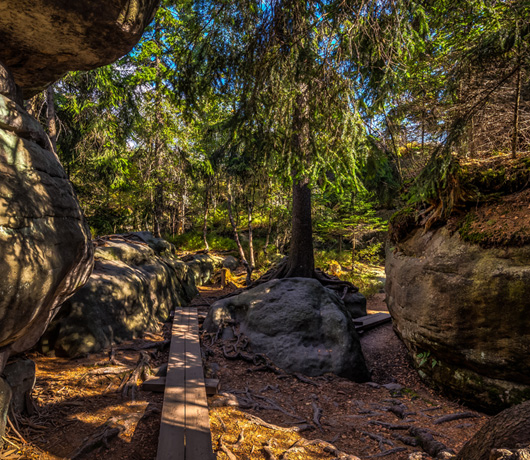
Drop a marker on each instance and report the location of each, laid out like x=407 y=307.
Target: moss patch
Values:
x=503 y=222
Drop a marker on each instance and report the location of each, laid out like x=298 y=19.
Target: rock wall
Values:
x=463 y=312
x=134 y=285
x=45 y=249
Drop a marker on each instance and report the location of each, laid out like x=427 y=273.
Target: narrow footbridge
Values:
x=185 y=426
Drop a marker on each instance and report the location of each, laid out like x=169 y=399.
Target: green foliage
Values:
x=192 y=241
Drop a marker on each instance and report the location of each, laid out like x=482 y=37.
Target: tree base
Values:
x=283 y=270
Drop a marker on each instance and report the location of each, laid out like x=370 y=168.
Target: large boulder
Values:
x=41 y=40
x=45 y=252
x=301 y=325
x=130 y=290
x=463 y=312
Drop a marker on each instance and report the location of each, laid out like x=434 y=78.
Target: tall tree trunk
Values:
x=157 y=147
x=50 y=118
x=268 y=237
x=301 y=262
x=182 y=211
x=515 y=134
x=252 y=261
x=205 y=216
x=236 y=238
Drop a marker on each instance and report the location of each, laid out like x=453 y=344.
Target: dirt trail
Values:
x=355 y=418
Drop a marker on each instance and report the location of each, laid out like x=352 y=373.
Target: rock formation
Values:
x=45 y=253
x=41 y=40
x=299 y=324
x=134 y=285
x=462 y=311
x=45 y=249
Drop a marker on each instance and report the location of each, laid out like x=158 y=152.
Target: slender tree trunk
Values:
x=157 y=147
x=353 y=243
x=236 y=238
x=182 y=211
x=268 y=238
x=395 y=149
x=472 y=145
x=205 y=217
x=50 y=118
x=252 y=261
x=515 y=134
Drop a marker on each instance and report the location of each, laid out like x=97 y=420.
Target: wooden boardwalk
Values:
x=365 y=323
x=185 y=426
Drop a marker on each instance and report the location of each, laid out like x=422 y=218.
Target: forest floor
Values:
x=74 y=405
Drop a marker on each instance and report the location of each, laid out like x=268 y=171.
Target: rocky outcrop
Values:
x=299 y=324
x=131 y=289
x=462 y=310
x=45 y=253
x=41 y=40
x=45 y=249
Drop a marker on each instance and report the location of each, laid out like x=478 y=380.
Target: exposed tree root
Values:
x=109 y=430
x=428 y=443
x=395 y=450
x=281 y=271
x=317 y=414
x=226 y=450
x=139 y=374
x=451 y=417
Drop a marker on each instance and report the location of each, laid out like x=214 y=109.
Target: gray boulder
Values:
x=231 y=263
x=355 y=303
x=202 y=267
x=462 y=311
x=301 y=325
x=129 y=292
x=161 y=246
x=45 y=249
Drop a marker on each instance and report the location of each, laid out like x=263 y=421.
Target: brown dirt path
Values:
x=73 y=406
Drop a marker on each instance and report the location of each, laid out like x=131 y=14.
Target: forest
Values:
x=231 y=117
x=310 y=221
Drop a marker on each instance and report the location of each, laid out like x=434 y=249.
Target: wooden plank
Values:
x=365 y=323
x=154 y=384
x=171 y=441
x=198 y=436
x=212 y=386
